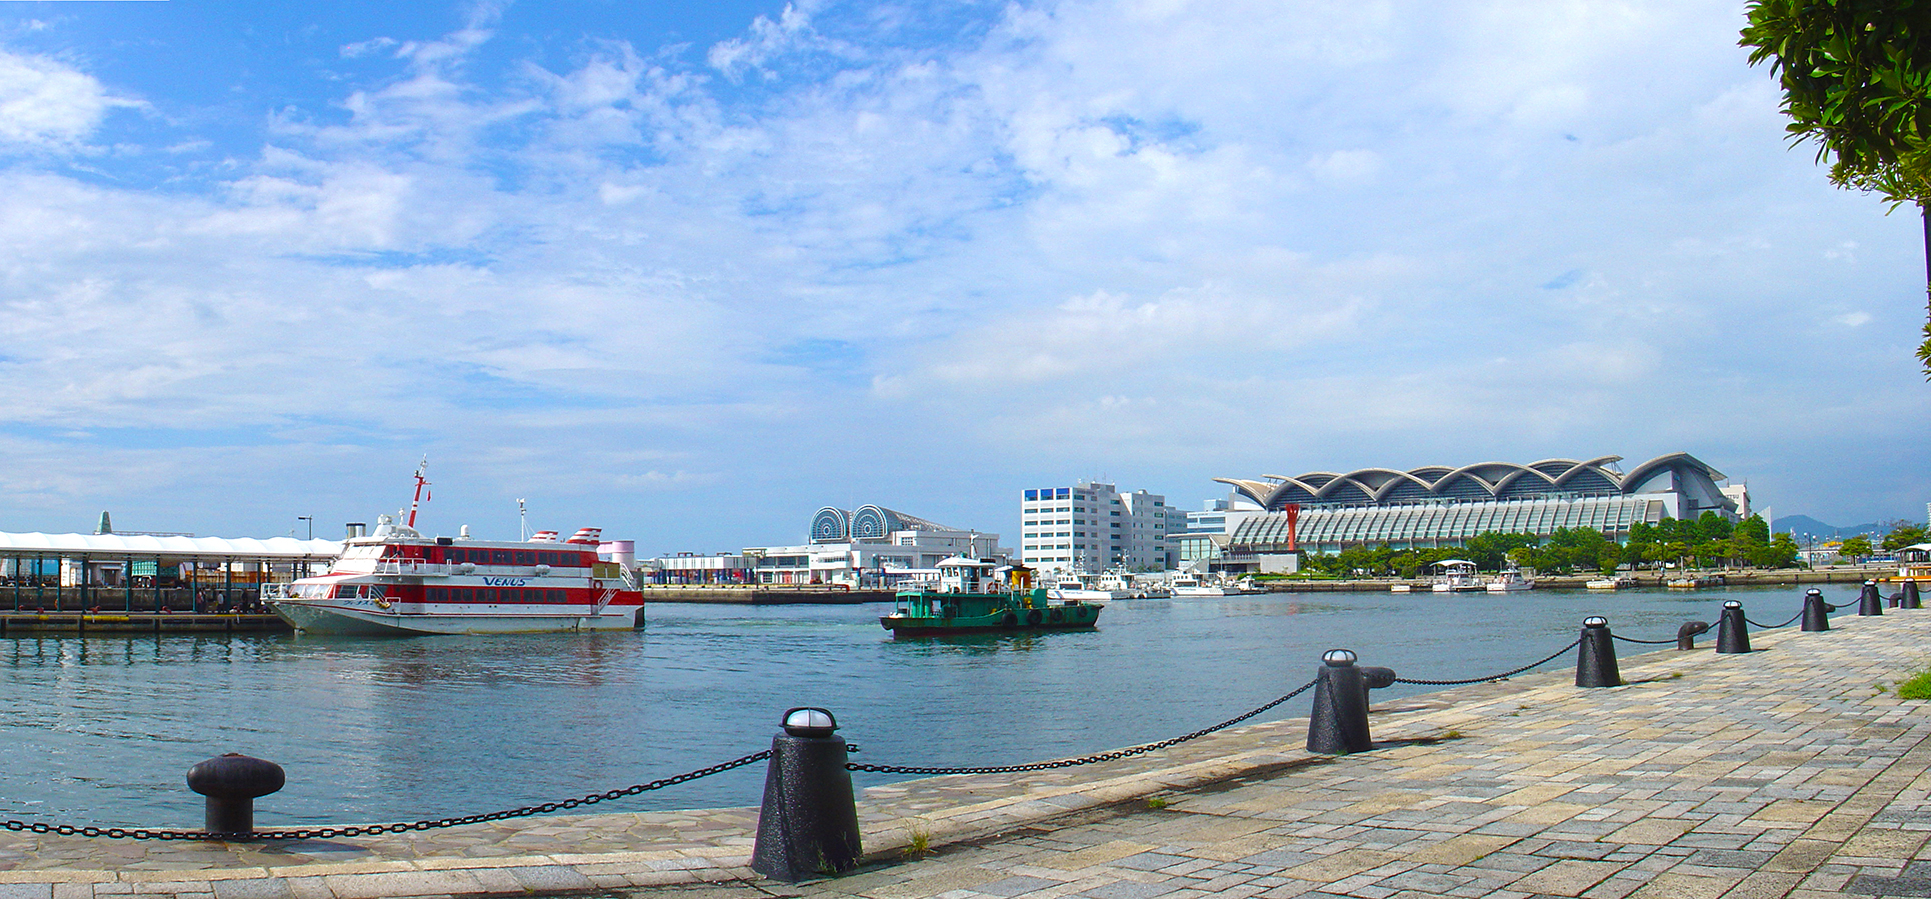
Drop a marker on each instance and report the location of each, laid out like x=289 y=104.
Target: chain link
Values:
x=358 y=830
x=1644 y=642
x=1084 y=760
x=1772 y=627
x=1493 y=677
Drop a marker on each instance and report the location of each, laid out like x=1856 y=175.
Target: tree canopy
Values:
x=1856 y=77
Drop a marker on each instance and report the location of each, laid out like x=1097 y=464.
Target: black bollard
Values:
x=1596 y=657
x=808 y=825
x=1911 y=595
x=1732 y=634
x=1816 y=610
x=231 y=781
x=1869 y=602
x=1339 y=724
x=1686 y=635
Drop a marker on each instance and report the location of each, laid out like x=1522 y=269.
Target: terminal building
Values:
x=1440 y=506
x=870 y=547
x=145 y=571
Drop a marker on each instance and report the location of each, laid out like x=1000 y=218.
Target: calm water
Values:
x=102 y=729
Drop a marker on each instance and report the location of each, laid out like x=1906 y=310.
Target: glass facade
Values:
x=1327 y=530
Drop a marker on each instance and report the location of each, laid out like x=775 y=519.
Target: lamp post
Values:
x=311 y=535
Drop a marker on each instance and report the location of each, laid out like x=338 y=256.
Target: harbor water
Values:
x=101 y=729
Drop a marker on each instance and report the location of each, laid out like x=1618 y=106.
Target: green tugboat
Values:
x=973 y=598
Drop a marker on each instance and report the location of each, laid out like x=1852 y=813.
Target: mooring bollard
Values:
x=1339 y=724
x=1732 y=634
x=1686 y=635
x=1869 y=602
x=1596 y=656
x=1816 y=611
x=1911 y=595
x=231 y=781
x=808 y=825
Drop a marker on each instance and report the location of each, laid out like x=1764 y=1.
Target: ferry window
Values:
x=556 y=596
x=500 y=557
x=464 y=594
x=545 y=557
x=437 y=594
x=525 y=557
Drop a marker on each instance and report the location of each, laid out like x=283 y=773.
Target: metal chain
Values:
x=1085 y=760
x=1644 y=642
x=1494 y=677
x=357 y=830
x=1772 y=627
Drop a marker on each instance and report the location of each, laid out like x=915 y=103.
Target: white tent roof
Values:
x=141 y=545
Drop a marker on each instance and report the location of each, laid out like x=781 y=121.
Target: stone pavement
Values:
x=1783 y=772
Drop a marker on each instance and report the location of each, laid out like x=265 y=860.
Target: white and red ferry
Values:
x=394 y=580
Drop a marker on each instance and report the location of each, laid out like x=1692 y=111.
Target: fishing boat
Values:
x=975 y=596
x=397 y=581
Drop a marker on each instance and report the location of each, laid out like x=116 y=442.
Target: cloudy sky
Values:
x=691 y=271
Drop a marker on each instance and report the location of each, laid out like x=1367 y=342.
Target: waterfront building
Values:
x=1439 y=506
x=1091 y=526
x=148 y=570
x=871 y=546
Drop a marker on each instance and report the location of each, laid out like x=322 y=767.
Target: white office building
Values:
x=1090 y=527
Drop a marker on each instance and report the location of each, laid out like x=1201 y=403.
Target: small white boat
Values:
x=1195 y=586
x=1610 y=583
x=1400 y=588
x=1510 y=581
x=1457 y=576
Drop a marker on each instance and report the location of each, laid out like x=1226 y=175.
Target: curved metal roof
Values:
x=1493 y=478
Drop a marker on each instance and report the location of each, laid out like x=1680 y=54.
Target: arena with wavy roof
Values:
x=1437 y=506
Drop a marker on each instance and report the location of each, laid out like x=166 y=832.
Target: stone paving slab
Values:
x=1782 y=772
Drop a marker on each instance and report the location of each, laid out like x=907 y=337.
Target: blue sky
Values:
x=690 y=271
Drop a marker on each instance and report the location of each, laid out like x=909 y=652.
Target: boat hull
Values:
x=369 y=619
x=1071 y=616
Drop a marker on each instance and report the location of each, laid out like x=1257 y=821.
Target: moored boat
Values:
x=397 y=581
x=1610 y=583
x=971 y=597
x=1511 y=580
x=1913 y=564
x=1457 y=576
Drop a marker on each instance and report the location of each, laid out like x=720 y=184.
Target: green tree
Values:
x=1856 y=78
x=1855 y=547
x=1903 y=534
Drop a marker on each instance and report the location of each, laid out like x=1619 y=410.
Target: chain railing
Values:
x=1493 y=677
x=357 y=830
x=1772 y=627
x=1114 y=755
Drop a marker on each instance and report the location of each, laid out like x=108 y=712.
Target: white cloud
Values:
x=46 y=104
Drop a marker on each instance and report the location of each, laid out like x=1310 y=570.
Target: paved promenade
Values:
x=1784 y=772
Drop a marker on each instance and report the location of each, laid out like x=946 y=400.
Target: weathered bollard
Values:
x=1339 y=724
x=1686 y=635
x=808 y=825
x=1732 y=634
x=1911 y=600
x=1596 y=657
x=1869 y=602
x=231 y=781
x=1816 y=611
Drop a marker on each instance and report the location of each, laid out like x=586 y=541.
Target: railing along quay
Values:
x=808 y=823
x=140 y=622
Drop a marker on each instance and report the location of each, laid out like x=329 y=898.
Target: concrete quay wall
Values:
x=1788 y=771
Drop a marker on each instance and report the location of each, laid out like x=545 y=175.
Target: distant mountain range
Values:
x=1804 y=524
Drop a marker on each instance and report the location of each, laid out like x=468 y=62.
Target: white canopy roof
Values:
x=142 y=545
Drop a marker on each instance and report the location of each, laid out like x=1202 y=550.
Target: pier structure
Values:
x=66 y=577
x=1784 y=772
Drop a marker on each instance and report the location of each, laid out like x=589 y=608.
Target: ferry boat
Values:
x=395 y=580
x=972 y=598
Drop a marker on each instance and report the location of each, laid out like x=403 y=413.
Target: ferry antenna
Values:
x=421 y=482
